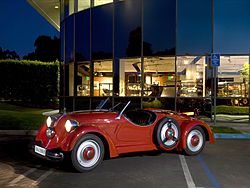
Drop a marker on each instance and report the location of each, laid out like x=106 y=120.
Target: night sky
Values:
x=21 y=25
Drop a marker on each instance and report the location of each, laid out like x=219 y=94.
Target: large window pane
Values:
x=194 y=27
x=198 y=107
x=83 y=78
x=82 y=35
x=159 y=27
x=102 y=19
x=232 y=103
x=69 y=56
x=191 y=76
x=103 y=78
x=128 y=34
x=130 y=77
x=232 y=26
x=233 y=77
x=69 y=39
x=159 y=76
x=128 y=28
x=82 y=52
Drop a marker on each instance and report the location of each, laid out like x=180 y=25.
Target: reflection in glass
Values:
x=102 y=2
x=160 y=103
x=82 y=36
x=103 y=78
x=233 y=78
x=102 y=29
x=194 y=27
x=159 y=27
x=83 y=4
x=127 y=43
x=82 y=52
x=128 y=28
x=232 y=27
x=191 y=76
x=197 y=107
x=69 y=40
x=130 y=77
x=69 y=56
x=69 y=79
x=68 y=7
x=83 y=79
x=159 y=73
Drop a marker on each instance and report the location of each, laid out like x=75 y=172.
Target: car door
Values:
x=130 y=134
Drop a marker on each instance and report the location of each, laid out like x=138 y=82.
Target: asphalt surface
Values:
x=224 y=164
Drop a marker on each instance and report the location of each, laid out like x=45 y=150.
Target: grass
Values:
x=225 y=130
x=232 y=110
x=14 y=117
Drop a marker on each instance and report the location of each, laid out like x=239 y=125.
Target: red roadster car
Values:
x=87 y=135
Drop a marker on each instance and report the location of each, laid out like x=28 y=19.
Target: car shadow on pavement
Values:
x=17 y=152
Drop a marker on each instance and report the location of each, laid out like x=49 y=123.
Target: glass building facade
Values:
x=157 y=53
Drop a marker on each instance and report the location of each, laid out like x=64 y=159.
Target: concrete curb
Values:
x=231 y=136
x=34 y=132
x=19 y=132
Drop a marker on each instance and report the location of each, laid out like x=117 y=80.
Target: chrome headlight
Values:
x=49 y=121
x=71 y=124
x=50 y=132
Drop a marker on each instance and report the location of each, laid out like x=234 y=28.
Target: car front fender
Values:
x=80 y=131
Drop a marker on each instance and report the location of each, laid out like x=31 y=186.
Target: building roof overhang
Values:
x=49 y=9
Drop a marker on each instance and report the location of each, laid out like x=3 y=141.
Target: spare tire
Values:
x=168 y=133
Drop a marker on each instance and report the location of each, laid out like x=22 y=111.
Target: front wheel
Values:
x=195 y=141
x=88 y=153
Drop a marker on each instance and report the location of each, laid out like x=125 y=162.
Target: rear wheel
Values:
x=168 y=133
x=88 y=153
x=195 y=141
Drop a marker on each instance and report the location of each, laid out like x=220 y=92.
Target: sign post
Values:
x=215 y=61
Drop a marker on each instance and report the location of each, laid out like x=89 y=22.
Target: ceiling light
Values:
x=56 y=7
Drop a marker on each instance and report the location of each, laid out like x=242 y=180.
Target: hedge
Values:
x=232 y=110
x=29 y=81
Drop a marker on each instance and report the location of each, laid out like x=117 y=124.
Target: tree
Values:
x=134 y=44
x=7 y=54
x=245 y=71
x=47 y=49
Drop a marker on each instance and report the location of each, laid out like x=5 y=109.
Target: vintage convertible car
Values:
x=86 y=136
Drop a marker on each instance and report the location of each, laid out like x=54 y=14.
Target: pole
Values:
x=215 y=76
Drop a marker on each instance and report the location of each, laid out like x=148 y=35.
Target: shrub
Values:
x=29 y=81
x=232 y=110
x=154 y=104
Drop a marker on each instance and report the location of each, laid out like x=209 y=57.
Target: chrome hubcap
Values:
x=88 y=153
x=195 y=140
x=169 y=134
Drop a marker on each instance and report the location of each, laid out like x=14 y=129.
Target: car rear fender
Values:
x=185 y=129
x=78 y=133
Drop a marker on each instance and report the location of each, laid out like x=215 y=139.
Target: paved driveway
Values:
x=225 y=164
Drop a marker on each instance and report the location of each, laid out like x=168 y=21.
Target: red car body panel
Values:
x=121 y=135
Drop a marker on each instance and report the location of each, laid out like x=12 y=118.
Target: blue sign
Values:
x=215 y=60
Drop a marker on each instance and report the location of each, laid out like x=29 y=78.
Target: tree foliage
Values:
x=245 y=70
x=47 y=49
x=7 y=54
